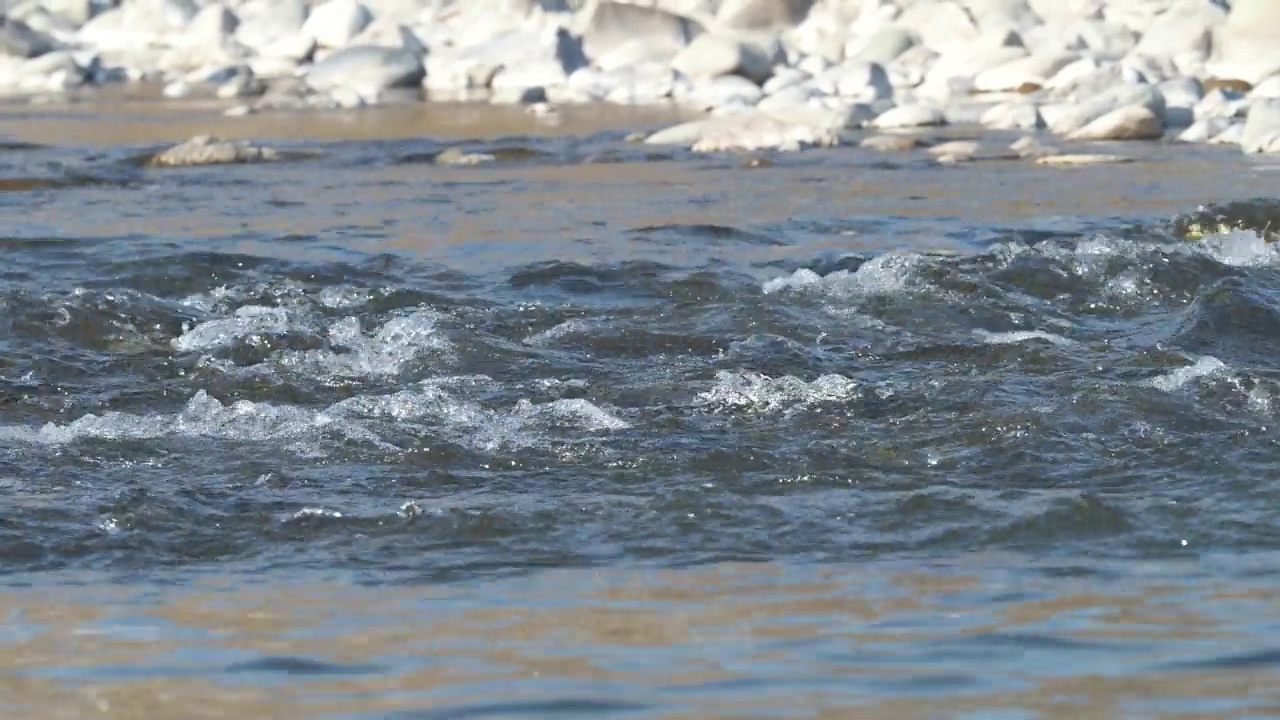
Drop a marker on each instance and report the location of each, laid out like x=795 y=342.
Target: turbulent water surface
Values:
x=600 y=429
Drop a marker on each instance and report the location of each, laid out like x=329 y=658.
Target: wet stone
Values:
x=209 y=150
x=458 y=156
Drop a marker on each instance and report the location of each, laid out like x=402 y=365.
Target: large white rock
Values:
x=1150 y=68
x=530 y=56
x=136 y=25
x=1269 y=88
x=908 y=116
x=1132 y=122
x=856 y=81
x=399 y=12
x=965 y=62
x=1106 y=40
x=1186 y=27
x=57 y=27
x=1181 y=95
x=367 y=71
x=1067 y=118
x=1261 y=133
x=789 y=97
x=1013 y=115
x=762 y=15
x=1003 y=14
x=1065 y=10
x=644 y=83
x=264 y=23
x=336 y=22
x=656 y=33
x=784 y=77
x=909 y=69
x=882 y=46
x=941 y=26
x=1033 y=69
x=1071 y=86
x=713 y=55
x=554 y=55
x=17 y=39
x=384 y=32
x=964 y=113
x=726 y=92
x=1221 y=103
x=1202 y=131
x=1247 y=46
x=1233 y=135
x=211 y=26
x=77 y=12
x=831 y=118
x=51 y=72
x=823 y=33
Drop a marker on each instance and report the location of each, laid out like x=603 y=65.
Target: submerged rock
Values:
x=890 y=143
x=745 y=131
x=1076 y=159
x=458 y=156
x=208 y=150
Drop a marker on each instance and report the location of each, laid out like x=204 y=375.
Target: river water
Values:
x=599 y=429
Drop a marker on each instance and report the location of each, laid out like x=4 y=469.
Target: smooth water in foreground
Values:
x=601 y=430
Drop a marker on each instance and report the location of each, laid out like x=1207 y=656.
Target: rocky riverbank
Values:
x=769 y=74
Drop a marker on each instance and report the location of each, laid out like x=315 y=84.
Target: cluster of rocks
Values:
x=779 y=74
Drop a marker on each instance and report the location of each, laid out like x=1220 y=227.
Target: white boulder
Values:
x=1261 y=131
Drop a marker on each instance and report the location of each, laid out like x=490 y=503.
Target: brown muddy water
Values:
x=606 y=430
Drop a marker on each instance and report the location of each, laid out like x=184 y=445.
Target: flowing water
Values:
x=599 y=429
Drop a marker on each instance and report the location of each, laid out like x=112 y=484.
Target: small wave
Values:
x=1206 y=366
x=886 y=274
x=1021 y=336
x=574 y=326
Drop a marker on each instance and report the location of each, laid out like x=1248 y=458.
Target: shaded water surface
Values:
x=603 y=429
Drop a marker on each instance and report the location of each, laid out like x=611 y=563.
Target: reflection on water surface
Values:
x=988 y=636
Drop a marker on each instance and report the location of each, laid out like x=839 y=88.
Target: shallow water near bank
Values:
x=601 y=429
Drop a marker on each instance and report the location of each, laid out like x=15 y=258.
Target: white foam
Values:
x=426 y=410
x=1239 y=248
x=1205 y=366
x=342 y=296
x=574 y=412
x=203 y=416
x=314 y=512
x=351 y=353
x=1021 y=336
x=398 y=342
x=248 y=320
x=754 y=391
x=468 y=423
x=881 y=275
